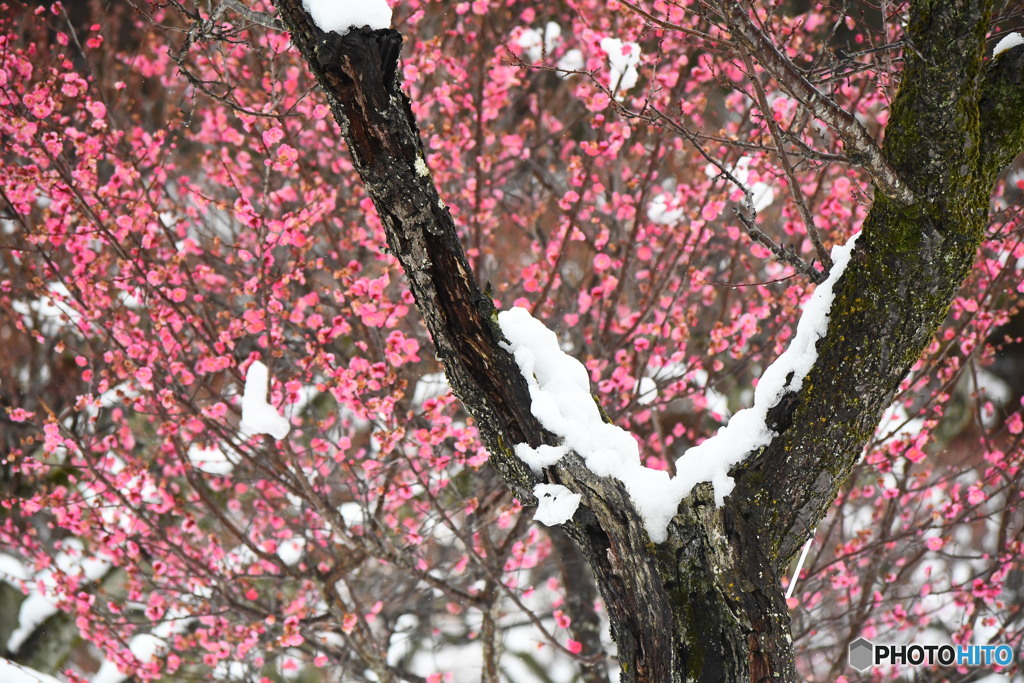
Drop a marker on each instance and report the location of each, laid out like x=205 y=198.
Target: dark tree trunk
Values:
x=706 y=605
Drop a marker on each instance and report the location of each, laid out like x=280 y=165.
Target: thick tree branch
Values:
x=359 y=75
x=737 y=626
x=906 y=268
x=860 y=146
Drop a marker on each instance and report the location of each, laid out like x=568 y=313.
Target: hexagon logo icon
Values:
x=861 y=654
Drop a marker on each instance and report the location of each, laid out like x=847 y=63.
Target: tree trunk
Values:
x=706 y=605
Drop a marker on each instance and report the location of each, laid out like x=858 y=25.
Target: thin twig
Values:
x=662 y=23
x=741 y=285
x=794 y=185
x=262 y=18
x=204 y=30
x=860 y=146
x=748 y=218
x=781 y=254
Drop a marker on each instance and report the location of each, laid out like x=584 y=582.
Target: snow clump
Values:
x=555 y=504
x=341 y=15
x=1009 y=40
x=258 y=416
x=561 y=401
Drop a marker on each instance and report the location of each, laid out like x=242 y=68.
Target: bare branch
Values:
x=208 y=30
x=662 y=23
x=794 y=185
x=261 y=18
x=755 y=233
x=653 y=115
x=860 y=146
x=781 y=254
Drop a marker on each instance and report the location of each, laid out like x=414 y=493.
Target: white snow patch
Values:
x=622 y=58
x=109 y=673
x=210 y=460
x=431 y=385
x=12 y=570
x=238 y=558
x=555 y=504
x=40 y=605
x=540 y=457
x=403 y=639
x=292 y=550
x=896 y=423
x=993 y=387
x=353 y=513
x=16 y=673
x=1009 y=40
x=341 y=15
x=143 y=647
x=746 y=430
x=146 y=646
x=560 y=399
x=660 y=211
x=716 y=404
x=258 y=416
x=50 y=312
x=536 y=45
x=646 y=391
x=572 y=60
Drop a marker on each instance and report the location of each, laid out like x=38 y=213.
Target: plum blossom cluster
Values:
x=185 y=270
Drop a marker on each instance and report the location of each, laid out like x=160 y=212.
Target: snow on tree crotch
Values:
x=555 y=504
x=560 y=399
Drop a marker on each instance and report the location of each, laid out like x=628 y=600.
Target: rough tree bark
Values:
x=707 y=605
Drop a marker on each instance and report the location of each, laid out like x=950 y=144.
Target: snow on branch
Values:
x=560 y=399
x=1010 y=40
x=342 y=15
x=555 y=504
